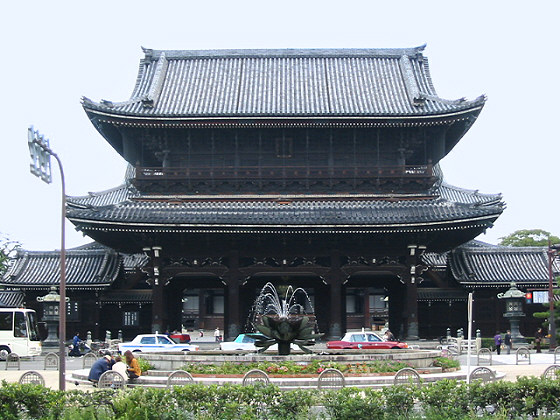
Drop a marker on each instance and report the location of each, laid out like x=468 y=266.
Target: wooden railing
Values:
x=291 y=172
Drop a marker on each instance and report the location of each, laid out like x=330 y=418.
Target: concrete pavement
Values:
x=503 y=363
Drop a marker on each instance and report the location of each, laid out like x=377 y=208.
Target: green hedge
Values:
x=446 y=399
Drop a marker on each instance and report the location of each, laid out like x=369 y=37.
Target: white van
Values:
x=19 y=333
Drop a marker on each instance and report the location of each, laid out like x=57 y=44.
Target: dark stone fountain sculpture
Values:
x=283 y=321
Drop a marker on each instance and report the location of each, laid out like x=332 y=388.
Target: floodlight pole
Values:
x=552 y=252
x=34 y=138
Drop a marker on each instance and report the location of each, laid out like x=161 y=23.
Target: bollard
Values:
x=119 y=335
x=478 y=340
x=88 y=338
x=107 y=336
x=448 y=333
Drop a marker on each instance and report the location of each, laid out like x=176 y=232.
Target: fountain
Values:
x=282 y=321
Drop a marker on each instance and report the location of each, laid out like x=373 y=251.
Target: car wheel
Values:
x=186 y=350
x=136 y=351
x=4 y=351
x=397 y=348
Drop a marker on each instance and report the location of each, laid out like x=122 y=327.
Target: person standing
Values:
x=539 y=335
x=507 y=341
x=498 y=342
x=217 y=335
x=133 y=370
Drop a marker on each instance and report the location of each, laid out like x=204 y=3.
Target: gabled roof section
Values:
x=11 y=299
x=85 y=268
x=484 y=266
x=283 y=83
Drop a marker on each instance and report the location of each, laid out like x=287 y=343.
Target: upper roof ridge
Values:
x=152 y=54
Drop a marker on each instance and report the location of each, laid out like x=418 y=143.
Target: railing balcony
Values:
x=252 y=178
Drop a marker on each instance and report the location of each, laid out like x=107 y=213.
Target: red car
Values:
x=180 y=338
x=364 y=340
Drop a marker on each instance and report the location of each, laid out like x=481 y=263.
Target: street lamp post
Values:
x=552 y=253
x=41 y=153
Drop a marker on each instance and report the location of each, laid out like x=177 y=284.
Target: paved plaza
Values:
x=504 y=363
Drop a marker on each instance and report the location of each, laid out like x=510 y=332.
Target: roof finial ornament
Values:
x=148 y=52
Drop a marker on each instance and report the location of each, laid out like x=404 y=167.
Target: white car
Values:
x=244 y=342
x=155 y=343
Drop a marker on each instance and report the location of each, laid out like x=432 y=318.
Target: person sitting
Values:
x=133 y=370
x=99 y=367
x=75 y=346
x=120 y=367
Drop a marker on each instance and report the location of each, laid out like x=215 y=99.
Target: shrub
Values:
x=446 y=363
x=399 y=400
x=145 y=365
x=354 y=403
x=31 y=401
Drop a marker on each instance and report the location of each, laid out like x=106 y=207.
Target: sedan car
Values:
x=244 y=342
x=155 y=343
x=364 y=340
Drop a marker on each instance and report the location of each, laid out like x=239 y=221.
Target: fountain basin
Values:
x=172 y=361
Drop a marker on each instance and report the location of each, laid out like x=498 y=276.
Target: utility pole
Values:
x=552 y=253
x=40 y=166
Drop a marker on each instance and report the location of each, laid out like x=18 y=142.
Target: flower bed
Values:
x=290 y=368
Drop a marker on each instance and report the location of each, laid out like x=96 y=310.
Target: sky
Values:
x=57 y=52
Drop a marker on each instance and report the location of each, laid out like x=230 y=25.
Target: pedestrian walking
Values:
x=539 y=335
x=507 y=341
x=217 y=335
x=498 y=342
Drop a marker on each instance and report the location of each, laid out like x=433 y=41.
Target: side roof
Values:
x=283 y=83
x=11 y=299
x=85 y=268
x=490 y=265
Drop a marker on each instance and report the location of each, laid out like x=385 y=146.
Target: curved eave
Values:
x=100 y=114
x=493 y=284
x=98 y=286
x=455 y=224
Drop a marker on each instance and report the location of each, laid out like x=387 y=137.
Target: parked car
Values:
x=364 y=340
x=155 y=343
x=244 y=342
x=180 y=338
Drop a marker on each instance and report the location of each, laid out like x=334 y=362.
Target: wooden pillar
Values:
x=334 y=279
x=411 y=305
x=367 y=317
x=232 y=312
x=159 y=318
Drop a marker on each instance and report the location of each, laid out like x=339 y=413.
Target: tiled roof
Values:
x=126 y=296
x=461 y=195
x=486 y=266
x=436 y=294
x=302 y=212
x=104 y=198
x=90 y=268
x=11 y=299
x=262 y=83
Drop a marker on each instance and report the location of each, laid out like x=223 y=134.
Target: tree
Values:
x=546 y=314
x=8 y=249
x=529 y=237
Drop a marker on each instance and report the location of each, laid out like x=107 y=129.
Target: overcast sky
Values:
x=54 y=55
